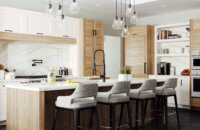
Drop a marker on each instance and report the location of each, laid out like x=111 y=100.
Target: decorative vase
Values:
x=124 y=77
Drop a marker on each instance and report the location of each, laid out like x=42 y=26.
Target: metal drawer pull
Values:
x=145 y=71
x=40 y=33
x=65 y=36
x=8 y=30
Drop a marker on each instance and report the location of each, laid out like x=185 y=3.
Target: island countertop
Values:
x=63 y=85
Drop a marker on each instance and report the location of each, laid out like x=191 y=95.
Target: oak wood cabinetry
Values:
x=139 y=50
x=92 y=38
x=195 y=45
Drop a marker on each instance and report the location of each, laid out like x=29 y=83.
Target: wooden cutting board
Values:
x=1 y=67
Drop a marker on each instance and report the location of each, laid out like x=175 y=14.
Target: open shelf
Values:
x=173 y=40
x=173 y=55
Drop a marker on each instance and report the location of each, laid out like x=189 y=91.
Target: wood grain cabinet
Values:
x=139 y=50
x=92 y=38
x=195 y=33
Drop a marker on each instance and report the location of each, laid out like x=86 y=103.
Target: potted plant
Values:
x=125 y=74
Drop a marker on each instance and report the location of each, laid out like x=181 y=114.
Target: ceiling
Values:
x=106 y=10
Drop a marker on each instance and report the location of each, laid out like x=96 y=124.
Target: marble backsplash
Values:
x=19 y=56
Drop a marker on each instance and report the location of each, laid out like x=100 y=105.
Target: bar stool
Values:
x=143 y=95
x=118 y=95
x=83 y=98
x=168 y=90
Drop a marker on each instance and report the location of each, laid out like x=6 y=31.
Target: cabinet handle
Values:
x=95 y=32
x=8 y=30
x=181 y=82
x=65 y=36
x=145 y=71
x=40 y=33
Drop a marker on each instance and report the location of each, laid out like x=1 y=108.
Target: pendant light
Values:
x=62 y=23
x=49 y=10
x=134 y=17
x=121 y=19
x=129 y=10
x=125 y=31
x=115 y=24
x=59 y=11
x=74 y=7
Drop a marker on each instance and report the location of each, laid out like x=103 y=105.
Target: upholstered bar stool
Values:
x=143 y=95
x=83 y=98
x=118 y=95
x=168 y=90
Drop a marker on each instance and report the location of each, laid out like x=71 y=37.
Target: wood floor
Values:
x=190 y=120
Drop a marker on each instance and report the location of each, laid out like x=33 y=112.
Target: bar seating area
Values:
x=86 y=97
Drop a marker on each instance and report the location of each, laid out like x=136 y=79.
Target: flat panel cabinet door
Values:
x=183 y=91
x=99 y=44
x=2 y=104
x=39 y=24
x=88 y=47
x=195 y=39
x=135 y=55
x=71 y=30
x=12 y=22
x=195 y=24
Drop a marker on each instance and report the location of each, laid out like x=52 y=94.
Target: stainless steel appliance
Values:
x=164 y=68
x=195 y=60
x=195 y=83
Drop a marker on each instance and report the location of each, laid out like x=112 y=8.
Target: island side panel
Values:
x=25 y=109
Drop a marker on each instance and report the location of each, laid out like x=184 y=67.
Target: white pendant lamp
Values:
x=125 y=31
x=129 y=11
x=74 y=7
x=115 y=24
x=134 y=17
x=49 y=10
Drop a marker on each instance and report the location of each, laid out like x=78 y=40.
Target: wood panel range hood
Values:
x=35 y=38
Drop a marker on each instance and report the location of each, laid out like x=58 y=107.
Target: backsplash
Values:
x=19 y=56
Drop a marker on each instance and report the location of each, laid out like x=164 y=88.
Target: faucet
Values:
x=35 y=62
x=104 y=65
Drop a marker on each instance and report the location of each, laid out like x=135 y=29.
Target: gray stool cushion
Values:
x=142 y=95
x=165 y=91
x=63 y=102
x=114 y=98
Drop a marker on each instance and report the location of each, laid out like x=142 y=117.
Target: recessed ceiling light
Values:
x=163 y=6
x=137 y=2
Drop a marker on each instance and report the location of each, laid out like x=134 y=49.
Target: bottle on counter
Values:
x=60 y=71
x=51 y=76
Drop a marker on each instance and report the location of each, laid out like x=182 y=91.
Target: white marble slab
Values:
x=63 y=85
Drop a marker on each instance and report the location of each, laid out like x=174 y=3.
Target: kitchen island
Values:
x=30 y=106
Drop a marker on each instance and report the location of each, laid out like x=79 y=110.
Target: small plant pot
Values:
x=124 y=77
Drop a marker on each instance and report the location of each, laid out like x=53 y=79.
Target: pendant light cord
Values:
x=125 y=12
x=62 y=7
x=116 y=9
x=121 y=9
x=134 y=6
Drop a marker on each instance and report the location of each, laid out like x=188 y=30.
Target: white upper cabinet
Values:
x=39 y=24
x=12 y=21
x=71 y=31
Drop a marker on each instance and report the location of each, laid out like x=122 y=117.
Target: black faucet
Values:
x=35 y=62
x=104 y=65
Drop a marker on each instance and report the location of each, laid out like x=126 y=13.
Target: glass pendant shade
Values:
x=125 y=31
x=49 y=11
x=62 y=23
x=74 y=7
x=129 y=11
x=134 y=18
x=121 y=23
x=59 y=12
x=115 y=23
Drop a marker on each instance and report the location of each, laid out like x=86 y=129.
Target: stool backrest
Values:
x=149 y=84
x=121 y=87
x=86 y=90
x=171 y=83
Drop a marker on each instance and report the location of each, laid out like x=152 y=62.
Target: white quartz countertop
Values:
x=64 y=85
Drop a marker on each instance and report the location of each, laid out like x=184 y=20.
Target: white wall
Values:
x=112 y=47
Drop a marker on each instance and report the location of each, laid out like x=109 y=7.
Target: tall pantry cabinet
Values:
x=138 y=50
x=92 y=38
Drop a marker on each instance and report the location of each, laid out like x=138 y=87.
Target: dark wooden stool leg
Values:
x=91 y=118
x=55 y=118
x=142 y=113
x=145 y=110
x=129 y=114
x=121 y=114
x=156 y=113
x=177 y=113
x=76 y=119
x=112 y=116
x=166 y=113
x=96 y=118
x=136 y=115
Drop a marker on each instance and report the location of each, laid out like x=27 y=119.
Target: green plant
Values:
x=125 y=70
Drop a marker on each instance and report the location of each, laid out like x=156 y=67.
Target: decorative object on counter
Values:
x=63 y=71
x=10 y=75
x=186 y=49
x=51 y=76
x=188 y=32
x=185 y=72
x=125 y=74
x=125 y=31
x=163 y=68
x=134 y=18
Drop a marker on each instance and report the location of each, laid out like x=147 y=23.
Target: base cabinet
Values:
x=2 y=103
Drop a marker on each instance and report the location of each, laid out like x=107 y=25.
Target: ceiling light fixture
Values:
x=115 y=24
x=59 y=11
x=49 y=10
x=134 y=17
x=121 y=19
x=74 y=7
x=62 y=23
x=129 y=11
x=125 y=31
